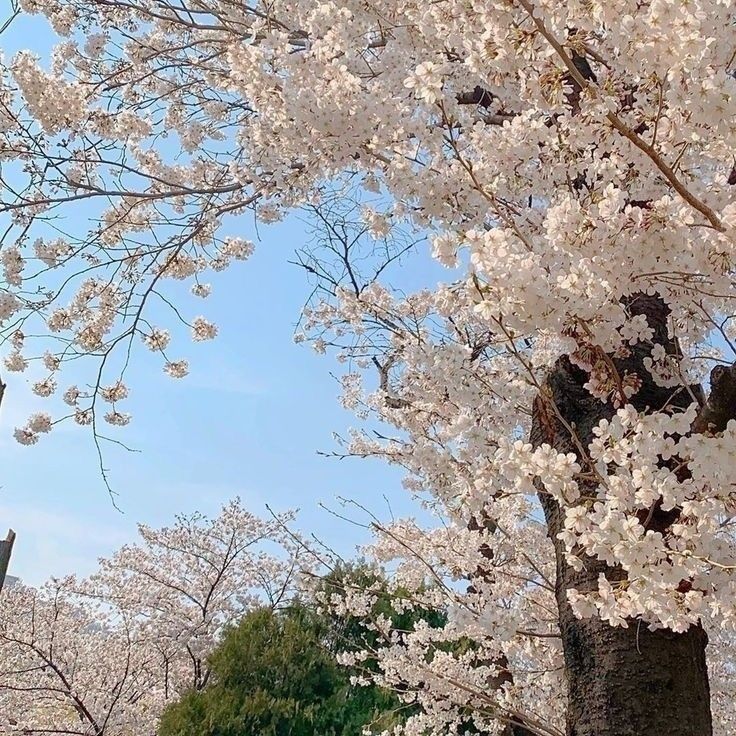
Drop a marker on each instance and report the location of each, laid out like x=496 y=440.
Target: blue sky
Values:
x=249 y=421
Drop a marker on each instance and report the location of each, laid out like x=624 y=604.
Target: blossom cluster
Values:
x=115 y=648
x=562 y=157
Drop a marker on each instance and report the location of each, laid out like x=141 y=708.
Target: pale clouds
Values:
x=50 y=543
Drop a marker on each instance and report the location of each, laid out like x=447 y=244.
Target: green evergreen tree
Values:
x=274 y=674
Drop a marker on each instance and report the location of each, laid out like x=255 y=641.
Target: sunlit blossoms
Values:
x=572 y=162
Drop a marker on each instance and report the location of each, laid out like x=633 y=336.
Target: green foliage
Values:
x=274 y=676
x=275 y=673
x=350 y=632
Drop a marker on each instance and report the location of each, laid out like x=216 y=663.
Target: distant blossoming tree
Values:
x=574 y=162
x=106 y=654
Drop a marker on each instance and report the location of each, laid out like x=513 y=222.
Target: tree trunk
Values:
x=621 y=681
x=6 y=545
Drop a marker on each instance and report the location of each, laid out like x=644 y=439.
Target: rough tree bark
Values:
x=625 y=681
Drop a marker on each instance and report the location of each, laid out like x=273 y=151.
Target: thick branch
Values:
x=720 y=405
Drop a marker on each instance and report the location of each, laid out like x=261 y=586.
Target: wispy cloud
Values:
x=53 y=544
x=222 y=376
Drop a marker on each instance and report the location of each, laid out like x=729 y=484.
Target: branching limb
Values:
x=720 y=406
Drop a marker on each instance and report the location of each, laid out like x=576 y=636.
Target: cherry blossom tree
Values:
x=104 y=655
x=573 y=162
